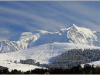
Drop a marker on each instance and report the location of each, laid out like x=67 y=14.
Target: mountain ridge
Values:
x=73 y=34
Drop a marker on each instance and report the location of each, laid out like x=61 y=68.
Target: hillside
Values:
x=43 y=54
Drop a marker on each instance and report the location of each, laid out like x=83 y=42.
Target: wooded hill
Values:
x=75 y=57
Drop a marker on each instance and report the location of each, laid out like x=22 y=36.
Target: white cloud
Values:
x=4 y=31
x=41 y=21
x=83 y=10
x=2 y=38
x=55 y=15
x=83 y=14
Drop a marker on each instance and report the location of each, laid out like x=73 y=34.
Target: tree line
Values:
x=76 y=57
x=74 y=70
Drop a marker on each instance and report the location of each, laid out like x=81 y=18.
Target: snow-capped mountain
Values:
x=73 y=34
x=81 y=35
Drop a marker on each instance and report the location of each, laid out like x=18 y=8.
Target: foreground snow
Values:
x=95 y=63
x=43 y=54
x=18 y=66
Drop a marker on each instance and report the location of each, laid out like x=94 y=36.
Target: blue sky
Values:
x=27 y=16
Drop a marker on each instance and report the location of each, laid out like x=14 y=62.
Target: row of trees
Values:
x=75 y=70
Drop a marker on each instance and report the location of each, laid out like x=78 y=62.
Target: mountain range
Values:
x=44 y=46
x=72 y=34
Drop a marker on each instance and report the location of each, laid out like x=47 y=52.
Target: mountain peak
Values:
x=80 y=35
x=74 y=25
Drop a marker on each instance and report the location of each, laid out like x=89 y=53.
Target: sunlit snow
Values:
x=43 y=54
x=44 y=46
x=73 y=34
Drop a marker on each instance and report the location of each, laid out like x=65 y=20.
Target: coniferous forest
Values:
x=74 y=57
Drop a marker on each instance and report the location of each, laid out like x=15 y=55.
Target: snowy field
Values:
x=43 y=54
x=95 y=63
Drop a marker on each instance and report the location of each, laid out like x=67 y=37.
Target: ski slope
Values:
x=43 y=54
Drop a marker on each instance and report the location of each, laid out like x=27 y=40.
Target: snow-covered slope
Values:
x=43 y=54
x=73 y=34
x=94 y=63
x=81 y=35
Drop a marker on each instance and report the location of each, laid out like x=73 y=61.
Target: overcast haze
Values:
x=27 y=16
